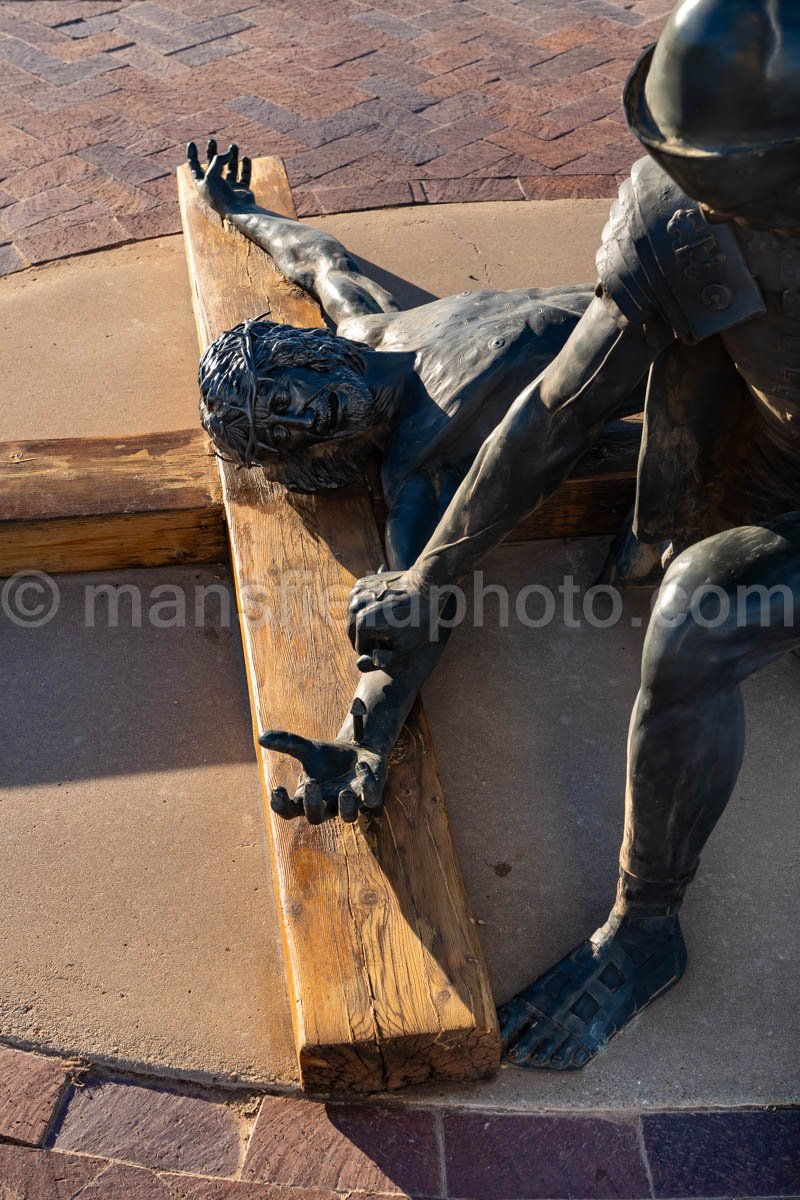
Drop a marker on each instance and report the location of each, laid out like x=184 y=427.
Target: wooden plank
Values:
x=98 y=504
x=76 y=504
x=385 y=970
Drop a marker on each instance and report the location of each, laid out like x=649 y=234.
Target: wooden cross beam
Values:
x=385 y=972
x=100 y=504
x=386 y=975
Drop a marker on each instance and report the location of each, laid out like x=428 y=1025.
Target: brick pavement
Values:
x=371 y=104
x=67 y=1132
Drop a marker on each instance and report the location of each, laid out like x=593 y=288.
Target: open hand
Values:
x=226 y=191
x=337 y=777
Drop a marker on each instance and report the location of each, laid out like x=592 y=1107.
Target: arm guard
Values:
x=661 y=258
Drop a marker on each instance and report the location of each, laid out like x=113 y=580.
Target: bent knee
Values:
x=688 y=637
x=729 y=601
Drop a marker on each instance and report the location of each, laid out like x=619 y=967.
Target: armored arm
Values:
x=309 y=257
x=547 y=429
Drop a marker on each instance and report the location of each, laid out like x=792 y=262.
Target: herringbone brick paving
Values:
x=371 y=104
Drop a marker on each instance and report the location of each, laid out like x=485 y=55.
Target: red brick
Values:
x=57 y=171
x=255 y=140
x=514 y=166
x=154 y=1127
x=565 y=39
x=38 y=208
x=185 y=1188
x=54 y=99
x=155 y=222
x=107 y=40
x=452 y=58
x=564 y=1156
x=130 y=168
x=546 y=74
x=86 y=29
x=395 y=68
x=119 y=197
x=14 y=141
x=380 y=168
x=566 y=187
x=357 y=199
x=66 y=10
x=385 y=112
x=353 y=176
x=73 y=140
x=31 y=1085
x=468 y=160
x=446 y=15
x=59 y=237
x=346 y=1146
x=475 y=76
x=454 y=108
x=448 y=191
x=334 y=53
x=11 y=165
x=611 y=160
x=40 y=125
x=558 y=152
x=42 y=1175
x=208 y=52
x=313 y=163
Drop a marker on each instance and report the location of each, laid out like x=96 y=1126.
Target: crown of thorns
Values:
x=239 y=361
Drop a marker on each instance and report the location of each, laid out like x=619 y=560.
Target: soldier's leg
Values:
x=727 y=607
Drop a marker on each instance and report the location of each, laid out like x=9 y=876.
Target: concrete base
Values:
x=138 y=918
x=138 y=912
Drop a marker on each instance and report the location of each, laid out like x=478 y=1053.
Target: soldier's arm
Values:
x=534 y=448
x=309 y=257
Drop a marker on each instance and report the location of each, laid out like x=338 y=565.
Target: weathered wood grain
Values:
x=385 y=971
x=84 y=504
x=99 y=504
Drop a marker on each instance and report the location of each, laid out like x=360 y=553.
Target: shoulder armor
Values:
x=661 y=257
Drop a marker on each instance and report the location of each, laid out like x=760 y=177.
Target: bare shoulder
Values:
x=370 y=329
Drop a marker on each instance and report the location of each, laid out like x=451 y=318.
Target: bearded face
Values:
x=292 y=401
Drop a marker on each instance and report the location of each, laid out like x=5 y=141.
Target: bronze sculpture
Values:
x=425 y=387
x=699 y=290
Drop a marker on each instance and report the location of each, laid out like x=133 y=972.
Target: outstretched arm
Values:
x=309 y=257
x=547 y=429
x=347 y=775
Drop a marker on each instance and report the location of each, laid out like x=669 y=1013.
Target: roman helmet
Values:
x=717 y=103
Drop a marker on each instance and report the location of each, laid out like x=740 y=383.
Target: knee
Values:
x=691 y=631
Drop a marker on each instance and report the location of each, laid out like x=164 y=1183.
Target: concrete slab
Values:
x=138 y=912
x=104 y=344
x=99 y=345
x=421 y=253
x=139 y=924
x=544 y=798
